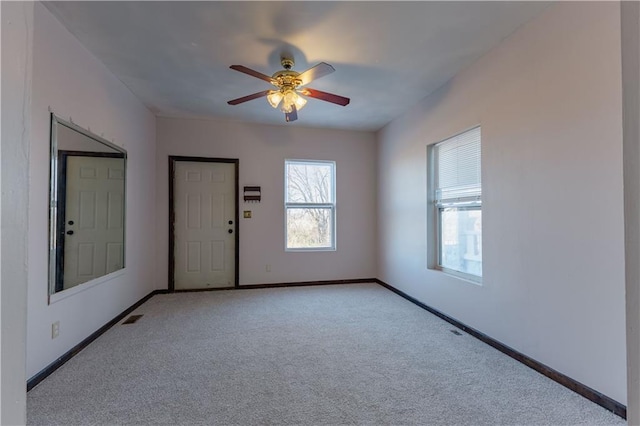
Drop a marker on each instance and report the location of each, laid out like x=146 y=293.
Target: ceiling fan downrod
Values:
x=287 y=63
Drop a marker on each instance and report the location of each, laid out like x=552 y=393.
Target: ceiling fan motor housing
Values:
x=286 y=79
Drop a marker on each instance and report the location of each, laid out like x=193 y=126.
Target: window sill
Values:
x=314 y=249
x=473 y=279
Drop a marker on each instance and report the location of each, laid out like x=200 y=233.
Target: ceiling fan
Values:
x=289 y=86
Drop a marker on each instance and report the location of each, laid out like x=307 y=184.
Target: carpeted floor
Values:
x=349 y=354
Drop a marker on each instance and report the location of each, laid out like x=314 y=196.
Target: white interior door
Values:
x=93 y=242
x=204 y=225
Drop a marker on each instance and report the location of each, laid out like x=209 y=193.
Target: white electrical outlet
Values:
x=55 y=329
x=267 y=268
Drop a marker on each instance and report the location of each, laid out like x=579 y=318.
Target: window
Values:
x=457 y=202
x=310 y=205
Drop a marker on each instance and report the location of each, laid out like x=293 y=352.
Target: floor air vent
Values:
x=456 y=332
x=132 y=319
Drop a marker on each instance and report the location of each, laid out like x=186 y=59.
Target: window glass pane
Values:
x=309 y=182
x=461 y=239
x=309 y=227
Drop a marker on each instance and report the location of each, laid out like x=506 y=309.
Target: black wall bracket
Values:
x=252 y=194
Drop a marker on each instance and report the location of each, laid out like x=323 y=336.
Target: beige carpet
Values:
x=349 y=354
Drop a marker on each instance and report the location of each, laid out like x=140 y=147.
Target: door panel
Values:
x=93 y=244
x=115 y=205
x=217 y=255
x=87 y=210
x=204 y=225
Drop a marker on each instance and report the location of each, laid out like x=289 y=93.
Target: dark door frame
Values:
x=172 y=215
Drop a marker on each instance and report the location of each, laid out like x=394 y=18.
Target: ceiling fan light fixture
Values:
x=274 y=98
x=300 y=102
x=290 y=99
x=289 y=86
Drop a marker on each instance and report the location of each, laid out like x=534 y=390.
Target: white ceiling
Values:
x=175 y=56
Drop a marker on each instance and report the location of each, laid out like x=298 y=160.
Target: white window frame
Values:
x=293 y=205
x=463 y=203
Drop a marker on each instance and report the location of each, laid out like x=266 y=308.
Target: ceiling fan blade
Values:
x=315 y=72
x=291 y=116
x=252 y=73
x=324 y=96
x=249 y=97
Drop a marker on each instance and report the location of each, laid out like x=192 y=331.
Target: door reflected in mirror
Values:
x=87 y=199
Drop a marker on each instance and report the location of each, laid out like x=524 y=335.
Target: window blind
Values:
x=458 y=172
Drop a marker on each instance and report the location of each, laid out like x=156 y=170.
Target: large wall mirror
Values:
x=87 y=206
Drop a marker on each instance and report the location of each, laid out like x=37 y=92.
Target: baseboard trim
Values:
x=566 y=381
x=200 y=290
x=43 y=374
x=276 y=285
x=308 y=283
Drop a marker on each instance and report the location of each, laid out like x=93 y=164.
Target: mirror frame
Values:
x=54 y=208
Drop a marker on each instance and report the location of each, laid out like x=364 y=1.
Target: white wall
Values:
x=17 y=47
x=261 y=150
x=630 y=21
x=67 y=78
x=548 y=99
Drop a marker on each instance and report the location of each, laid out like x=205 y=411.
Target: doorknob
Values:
x=230 y=231
x=230 y=222
x=69 y=232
